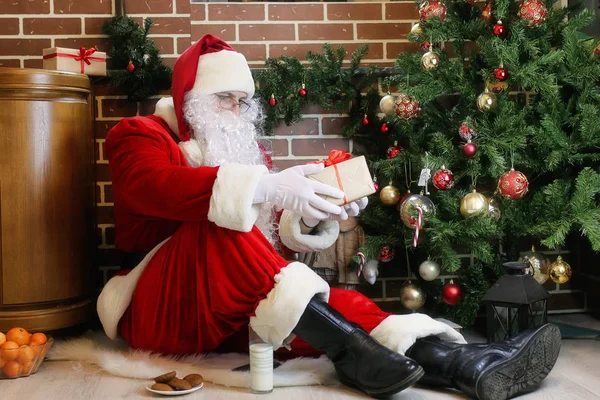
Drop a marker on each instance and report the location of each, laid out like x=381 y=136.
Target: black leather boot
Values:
x=497 y=371
x=360 y=361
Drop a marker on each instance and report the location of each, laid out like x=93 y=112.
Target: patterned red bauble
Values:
x=533 y=12
x=376 y=186
x=272 y=101
x=499 y=29
x=451 y=293
x=597 y=50
x=500 y=73
x=432 y=8
x=384 y=128
x=486 y=14
x=365 y=120
x=131 y=66
x=386 y=254
x=302 y=92
x=513 y=185
x=425 y=46
x=407 y=107
x=466 y=132
x=443 y=179
x=393 y=151
x=469 y=149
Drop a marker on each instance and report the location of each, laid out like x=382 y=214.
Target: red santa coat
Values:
x=209 y=271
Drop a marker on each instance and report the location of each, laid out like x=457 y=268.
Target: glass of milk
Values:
x=261 y=361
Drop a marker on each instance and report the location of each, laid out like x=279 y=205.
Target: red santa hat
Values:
x=209 y=66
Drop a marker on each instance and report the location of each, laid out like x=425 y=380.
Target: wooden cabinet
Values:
x=46 y=199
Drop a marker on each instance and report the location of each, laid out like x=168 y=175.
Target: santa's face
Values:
x=226 y=127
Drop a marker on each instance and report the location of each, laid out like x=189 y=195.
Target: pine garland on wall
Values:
x=136 y=67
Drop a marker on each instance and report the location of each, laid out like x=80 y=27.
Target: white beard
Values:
x=222 y=137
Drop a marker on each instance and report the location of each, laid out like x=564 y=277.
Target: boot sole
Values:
x=525 y=370
x=390 y=390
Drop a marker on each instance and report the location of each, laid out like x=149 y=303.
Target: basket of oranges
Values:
x=21 y=352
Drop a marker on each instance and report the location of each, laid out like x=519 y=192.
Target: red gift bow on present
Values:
x=335 y=157
x=83 y=57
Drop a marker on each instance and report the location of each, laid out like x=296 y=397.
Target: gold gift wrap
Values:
x=351 y=176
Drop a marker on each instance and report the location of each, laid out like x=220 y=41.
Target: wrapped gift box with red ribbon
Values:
x=83 y=61
x=351 y=175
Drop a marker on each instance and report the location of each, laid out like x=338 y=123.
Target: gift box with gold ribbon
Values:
x=351 y=175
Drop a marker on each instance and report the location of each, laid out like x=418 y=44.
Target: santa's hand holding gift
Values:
x=194 y=195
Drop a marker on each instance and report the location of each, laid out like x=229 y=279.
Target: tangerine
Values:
x=28 y=368
x=26 y=354
x=12 y=369
x=18 y=335
x=38 y=338
x=2 y=338
x=9 y=350
x=2 y=362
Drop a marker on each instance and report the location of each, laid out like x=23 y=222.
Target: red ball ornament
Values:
x=376 y=186
x=499 y=29
x=466 y=132
x=302 y=92
x=432 y=8
x=501 y=74
x=451 y=293
x=407 y=107
x=513 y=185
x=131 y=66
x=272 y=101
x=365 y=121
x=469 y=149
x=533 y=12
x=486 y=14
x=386 y=254
x=425 y=46
x=384 y=128
x=597 y=50
x=443 y=179
x=393 y=152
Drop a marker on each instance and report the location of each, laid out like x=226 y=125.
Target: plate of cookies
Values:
x=170 y=385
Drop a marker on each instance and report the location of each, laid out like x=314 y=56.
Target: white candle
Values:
x=261 y=368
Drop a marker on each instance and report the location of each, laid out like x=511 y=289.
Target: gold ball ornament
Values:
x=409 y=213
x=560 y=271
x=389 y=195
x=416 y=29
x=538 y=265
x=387 y=104
x=486 y=101
x=412 y=297
x=474 y=204
x=430 y=60
x=494 y=208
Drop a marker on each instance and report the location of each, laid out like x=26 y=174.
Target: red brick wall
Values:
x=258 y=30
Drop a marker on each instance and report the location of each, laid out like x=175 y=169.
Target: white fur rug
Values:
x=116 y=358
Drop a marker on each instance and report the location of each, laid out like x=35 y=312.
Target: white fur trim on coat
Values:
x=323 y=236
x=231 y=203
x=223 y=71
x=166 y=110
x=276 y=316
x=192 y=152
x=400 y=332
x=117 y=294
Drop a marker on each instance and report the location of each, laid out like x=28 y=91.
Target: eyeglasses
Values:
x=228 y=103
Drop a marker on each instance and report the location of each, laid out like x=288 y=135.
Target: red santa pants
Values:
x=197 y=293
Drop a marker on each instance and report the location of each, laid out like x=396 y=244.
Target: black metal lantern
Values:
x=515 y=303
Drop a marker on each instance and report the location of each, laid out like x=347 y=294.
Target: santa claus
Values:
x=194 y=192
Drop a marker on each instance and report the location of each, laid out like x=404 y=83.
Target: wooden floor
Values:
x=576 y=376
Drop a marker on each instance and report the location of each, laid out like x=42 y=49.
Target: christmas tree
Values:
x=494 y=128
x=135 y=64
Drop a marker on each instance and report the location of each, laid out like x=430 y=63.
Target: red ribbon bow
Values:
x=335 y=157
x=84 y=55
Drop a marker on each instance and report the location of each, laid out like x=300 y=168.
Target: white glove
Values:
x=349 y=210
x=290 y=189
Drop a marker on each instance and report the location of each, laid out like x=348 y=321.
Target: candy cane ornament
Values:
x=363 y=259
x=419 y=223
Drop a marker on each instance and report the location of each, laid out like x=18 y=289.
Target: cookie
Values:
x=194 y=379
x=164 y=378
x=163 y=387
x=179 y=384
